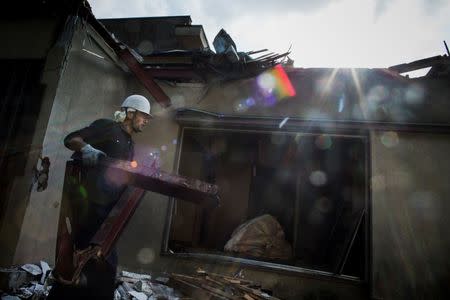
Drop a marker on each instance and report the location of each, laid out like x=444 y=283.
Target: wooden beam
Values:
x=124 y=53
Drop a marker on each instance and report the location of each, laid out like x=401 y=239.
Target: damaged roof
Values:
x=155 y=34
x=173 y=48
x=150 y=49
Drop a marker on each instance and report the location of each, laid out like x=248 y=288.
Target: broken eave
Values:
x=440 y=66
x=125 y=54
x=202 y=65
x=195 y=65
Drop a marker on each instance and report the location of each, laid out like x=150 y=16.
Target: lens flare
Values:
x=378 y=182
x=240 y=106
x=283 y=86
x=341 y=103
x=389 y=139
x=266 y=81
x=318 y=178
x=415 y=94
x=377 y=94
x=134 y=164
x=83 y=191
x=283 y=122
x=178 y=101
x=324 y=205
x=323 y=142
x=146 y=255
x=250 y=102
x=273 y=85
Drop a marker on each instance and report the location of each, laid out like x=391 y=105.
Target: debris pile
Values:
x=143 y=287
x=205 y=285
x=33 y=282
x=29 y=281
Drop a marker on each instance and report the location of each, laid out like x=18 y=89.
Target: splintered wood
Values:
x=149 y=177
x=215 y=286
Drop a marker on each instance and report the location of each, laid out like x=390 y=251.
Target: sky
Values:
x=320 y=33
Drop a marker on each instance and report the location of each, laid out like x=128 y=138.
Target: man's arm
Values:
x=75 y=143
x=89 y=154
x=76 y=140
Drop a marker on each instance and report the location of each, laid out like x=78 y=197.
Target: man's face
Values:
x=140 y=120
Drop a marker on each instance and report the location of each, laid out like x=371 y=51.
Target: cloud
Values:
x=337 y=33
x=221 y=9
x=213 y=15
x=380 y=7
x=135 y=8
x=431 y=7
x=225 y=8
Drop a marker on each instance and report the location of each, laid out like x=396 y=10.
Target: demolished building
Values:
x=349 y=162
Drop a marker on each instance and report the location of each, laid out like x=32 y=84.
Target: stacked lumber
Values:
x=212 y=286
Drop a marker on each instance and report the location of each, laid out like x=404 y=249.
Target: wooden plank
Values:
x=153 y=179
x=217 y=284
x=194 y=290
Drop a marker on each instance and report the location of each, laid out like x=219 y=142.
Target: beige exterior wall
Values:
x=140 y=245
x=409 y=185
x=410 y=200
x=88 y=88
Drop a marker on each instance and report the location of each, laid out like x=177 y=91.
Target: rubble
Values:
x=135 y=275
x=14 y=278
x=162 y=280
x=29 y=281
x=32 y=269
x=10 y=297
x=45 y=271
x=201 y=285
x=134 y=286
x=138 y=295
x=205 y=285
x=141 y=286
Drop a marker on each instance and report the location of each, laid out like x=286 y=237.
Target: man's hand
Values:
x=90 y=155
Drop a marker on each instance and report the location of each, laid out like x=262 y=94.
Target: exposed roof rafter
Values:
x=124 y=53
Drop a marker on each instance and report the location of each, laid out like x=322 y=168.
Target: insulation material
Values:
x=260 y=237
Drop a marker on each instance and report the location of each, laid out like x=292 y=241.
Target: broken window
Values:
x=296 y=199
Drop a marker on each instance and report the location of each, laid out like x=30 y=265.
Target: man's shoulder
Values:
x=103 y=122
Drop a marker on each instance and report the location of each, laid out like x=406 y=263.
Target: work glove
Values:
x=90 y=155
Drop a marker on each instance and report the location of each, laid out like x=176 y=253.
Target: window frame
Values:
x=210 y=121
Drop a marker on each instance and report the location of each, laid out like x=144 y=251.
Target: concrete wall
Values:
x=411 y=232
x=405 y=238
x=340 y=94
x=86 y=88
x=89 y=88
x=140 y=245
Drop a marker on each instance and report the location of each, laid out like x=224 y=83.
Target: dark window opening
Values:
x=312 y=184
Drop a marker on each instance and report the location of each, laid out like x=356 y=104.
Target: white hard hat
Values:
x=137 y=102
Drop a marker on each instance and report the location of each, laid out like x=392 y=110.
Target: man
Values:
x=99 y=190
